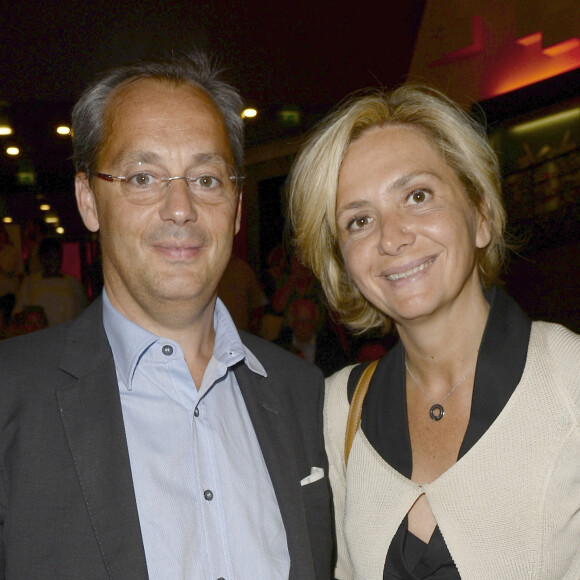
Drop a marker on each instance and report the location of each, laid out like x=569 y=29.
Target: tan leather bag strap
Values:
x=355 y=410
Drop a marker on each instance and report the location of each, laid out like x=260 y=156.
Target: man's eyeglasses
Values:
x=147 y=186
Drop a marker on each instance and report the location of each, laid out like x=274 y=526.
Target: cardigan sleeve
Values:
x=565 y=348
x=335 y=416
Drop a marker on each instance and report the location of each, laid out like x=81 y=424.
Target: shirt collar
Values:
x=129 y=342
x=228 y=347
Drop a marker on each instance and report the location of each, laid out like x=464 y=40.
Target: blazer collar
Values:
x=87 y=347
x=90 y=410
x=278 y=441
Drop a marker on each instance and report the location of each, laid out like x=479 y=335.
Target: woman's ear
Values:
x=86 y=202
x=483 y=232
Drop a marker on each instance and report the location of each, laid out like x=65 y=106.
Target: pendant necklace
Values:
x=437 y=411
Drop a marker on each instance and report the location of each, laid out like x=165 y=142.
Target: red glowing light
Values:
x=516 y=63
x=562 y=47
x=526 y=62
x=530 y=39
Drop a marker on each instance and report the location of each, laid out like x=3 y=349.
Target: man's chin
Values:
x=182 y=290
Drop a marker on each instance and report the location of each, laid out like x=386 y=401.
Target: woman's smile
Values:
x=411 y=271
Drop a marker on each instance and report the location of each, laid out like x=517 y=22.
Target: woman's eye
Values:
x=358 y=223
x=418 y=196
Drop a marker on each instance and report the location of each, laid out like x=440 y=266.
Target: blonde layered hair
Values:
x=313 y=184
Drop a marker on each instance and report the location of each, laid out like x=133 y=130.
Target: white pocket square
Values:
x=316 y=473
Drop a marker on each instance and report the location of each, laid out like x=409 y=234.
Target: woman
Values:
x=466 y=464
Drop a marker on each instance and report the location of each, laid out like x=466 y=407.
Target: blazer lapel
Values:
x=90 y=409
x=269 y=415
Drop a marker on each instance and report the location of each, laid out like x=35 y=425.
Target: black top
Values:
x=500 y=364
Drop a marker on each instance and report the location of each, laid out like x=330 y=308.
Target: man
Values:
x=307 y=338
x=242 y=295
x=10 y=270
x=147 y=439
x=61 y=296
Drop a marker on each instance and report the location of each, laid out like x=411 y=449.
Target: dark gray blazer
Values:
x=67 y=505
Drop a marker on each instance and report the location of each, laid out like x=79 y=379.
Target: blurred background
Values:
x=514 y=63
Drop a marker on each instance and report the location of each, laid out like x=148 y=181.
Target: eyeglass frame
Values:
x=236 y=179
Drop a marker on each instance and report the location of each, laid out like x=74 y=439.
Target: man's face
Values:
x=167 y=256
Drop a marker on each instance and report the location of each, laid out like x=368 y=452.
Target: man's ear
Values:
x=238 y=214
x=86 y=202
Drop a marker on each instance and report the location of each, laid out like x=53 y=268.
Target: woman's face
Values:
x=406 y=230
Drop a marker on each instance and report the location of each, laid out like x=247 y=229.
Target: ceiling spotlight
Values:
x=63 y=130
x=12 y=150
x=5 y=121
x=44 y=207
x=59 y=230
x=7 y=220
x=249 y=113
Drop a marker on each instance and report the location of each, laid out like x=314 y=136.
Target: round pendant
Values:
x=436 y=412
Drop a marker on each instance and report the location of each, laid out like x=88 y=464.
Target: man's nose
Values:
x=179 y=204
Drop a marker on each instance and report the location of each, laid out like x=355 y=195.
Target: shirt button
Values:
x=221 y=578
x=196 y=412
x=208 y=494
x=167 y=350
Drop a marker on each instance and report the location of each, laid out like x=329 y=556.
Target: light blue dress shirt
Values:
x=206 y=504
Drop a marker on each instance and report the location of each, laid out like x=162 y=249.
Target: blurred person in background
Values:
x=242 y=294
x=307 y=337
x=62 y=297
x=10 y=272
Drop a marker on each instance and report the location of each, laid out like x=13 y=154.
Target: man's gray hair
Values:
x=194 y=68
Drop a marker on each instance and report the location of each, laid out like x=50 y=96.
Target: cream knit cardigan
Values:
x=509 y=509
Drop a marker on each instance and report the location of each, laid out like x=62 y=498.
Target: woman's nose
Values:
x=395 y=234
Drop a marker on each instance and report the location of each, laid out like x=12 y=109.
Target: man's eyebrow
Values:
x=134 y=157
x=209 y=157
x=130 y=157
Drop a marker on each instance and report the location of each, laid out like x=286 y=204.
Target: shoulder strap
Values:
x=355 y=410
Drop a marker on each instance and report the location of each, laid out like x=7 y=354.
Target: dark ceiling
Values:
x=308 y=55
